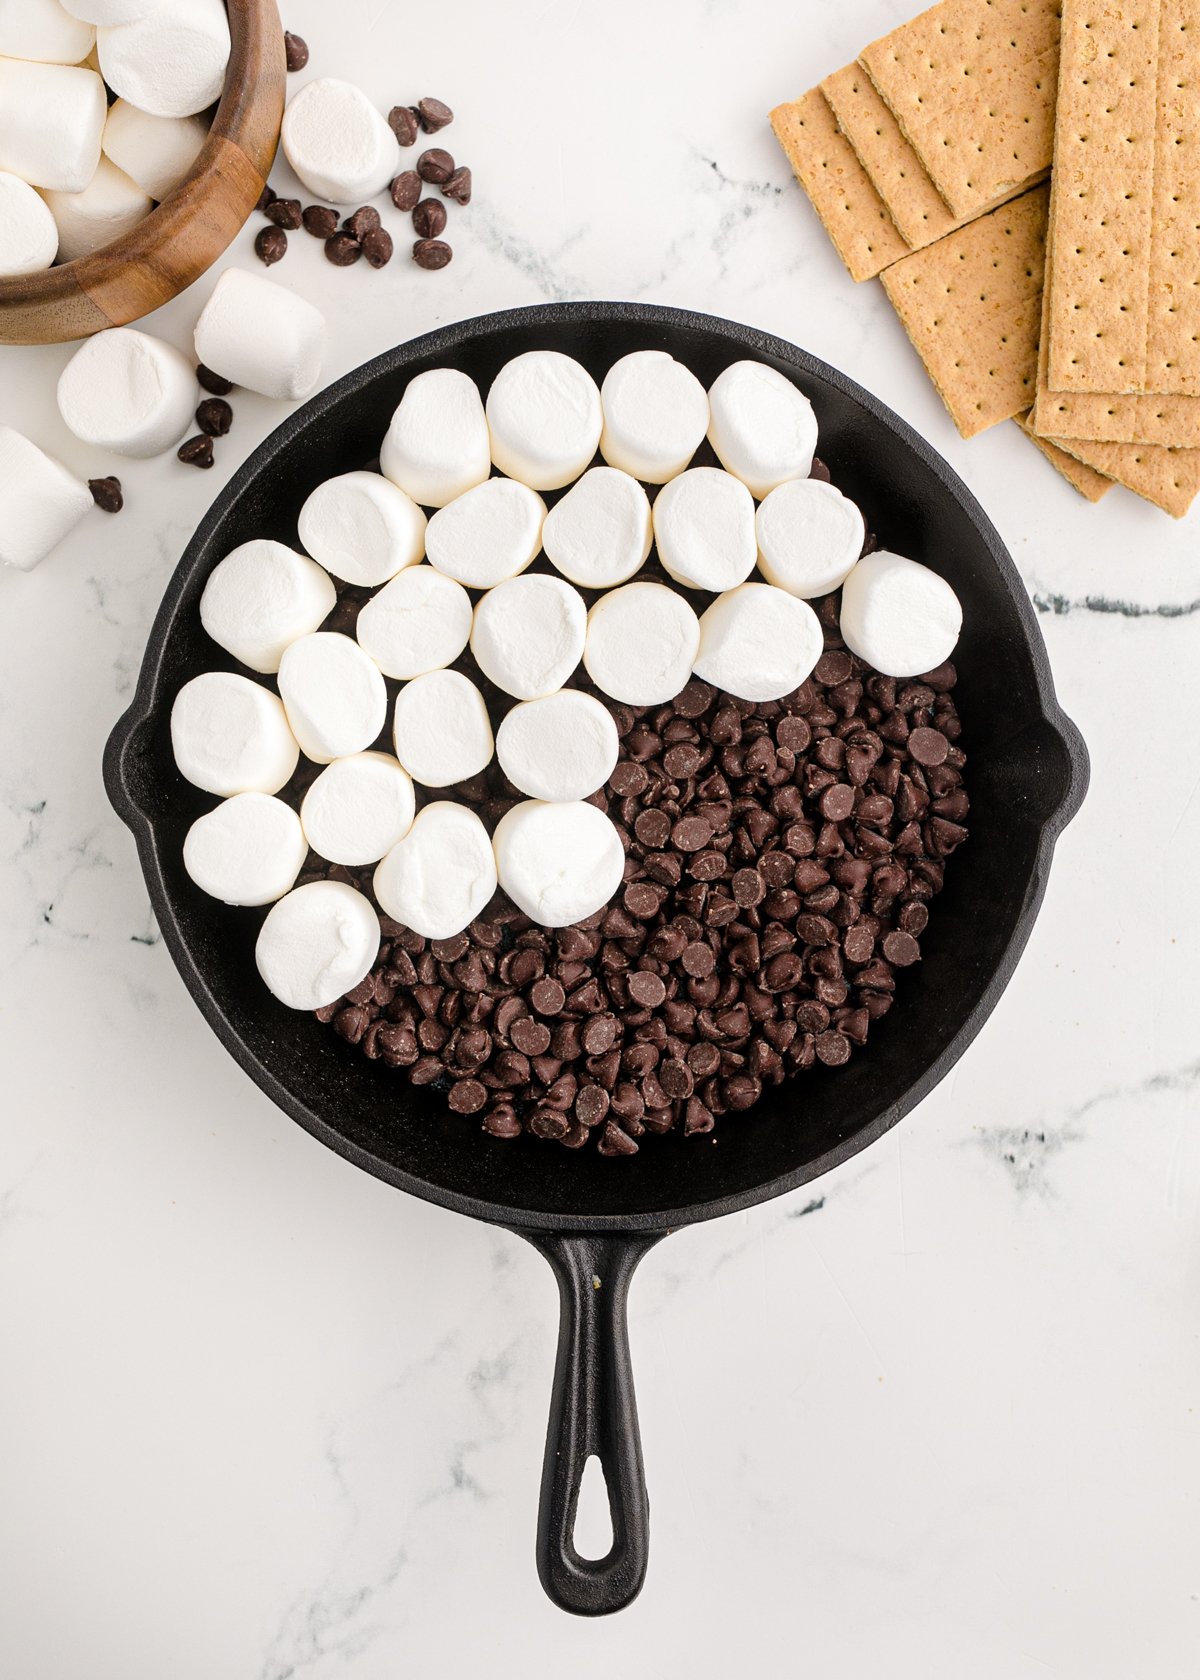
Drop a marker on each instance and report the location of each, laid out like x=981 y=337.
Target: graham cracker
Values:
x=895 y=170
x=1089 y=483
x=827 y=167
x=1170 y=478
x=972 y=85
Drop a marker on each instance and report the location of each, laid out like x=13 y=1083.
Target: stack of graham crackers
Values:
x=1071 y=306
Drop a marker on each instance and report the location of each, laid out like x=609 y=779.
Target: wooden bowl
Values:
x=187 y=232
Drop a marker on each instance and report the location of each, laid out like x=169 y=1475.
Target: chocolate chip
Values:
x=646 y=990
x=196 y=452
x=214 y=416
x=406 y=189
x=214 y=382
x=295 y=49
x=547 y=996
x=833 y=1048
x=362 y=221
x=837 y=802
x=431 y=253
x=270 y=245
x=342 y=250
x=433 y=114
x=435 y=165
x=531 y=1037
x=698 y=960
x=107 y=495
x=265 y=197
x=901 y=949
x=458 y=185
x=405 y=123
x=320 y=221
x=928 y=746
x=377 y=247
x=429 y=218
x=285 y=213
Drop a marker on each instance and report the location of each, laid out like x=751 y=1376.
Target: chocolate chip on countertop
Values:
x=106 y=493
x=377 y=247
x=433 y=114
x=284 y=213
x=406 y=189
x=342 y=250
x=270 y=245
x=214 y=382
x=362 y=221
x=429 y=218
x=214 y=416
x=431 y=253
x=405 y=123
x=197 y=451
x=265 y=198
x=458 y=185
x=320 y=221
x=435 y=165
x=295 y=50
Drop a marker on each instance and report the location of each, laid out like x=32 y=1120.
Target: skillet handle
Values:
x=593 y=1410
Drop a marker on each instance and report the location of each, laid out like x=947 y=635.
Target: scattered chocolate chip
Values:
x=214 y=416
x=265 y=198
x=320 y=221
x=342 y=250
x=435 y=165
x=406 y=189
x=405 y=123
x=270 y=245
x=106 y=493
x=362 y=221
x=431 y=253
x=433 y=114
x=214 y=382
x=295 y=50
x=457 y=185
x=197 y=451
x=377 y=247
x=285 y=213
x=429 y=218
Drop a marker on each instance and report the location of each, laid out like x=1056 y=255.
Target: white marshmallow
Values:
x=558 y=863
x=333 y=695
x=107 y=12
x=316 y=944
x=45 y=30
x=261 y=598
x=231 y=735
x=51 y=120
x=338 y=143
x=641 y=641
x=28 y=233
x=437 y=444
x=110 y=205
x=490 y=533
x=358 y=808
x=125 y=391
x=362 y=528
x=763 y=429
x=809 y=537
x=262 y=336
x=441 y=729
x=758 y=642
x=544 y=417
x=704 y=528
x=172 y=62
x=419 y=622
x=155 y=152
x=655 y=415
x=899 y=616
x=248 y=851
x=561 y=747
x=528 y=634
x=40 y=501
x=441 y=875
x=600 y=532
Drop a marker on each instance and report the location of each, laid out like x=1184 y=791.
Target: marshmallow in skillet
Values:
x=51 y=120
x=362 y=528
x=107 y=207
x=763 y=429
x=45 y=30
x=333 y=695
x=261 y=598
x=316 y=944
x=558 y=863
x=105 y=13
x=338 y=143
x=600 y=532
x=544 y=417
x=528 y=634
x=28 y=234
x=704 y=528
x=420 y=621
x=809 y=537
x=561 y=747
x=437 y=444
x=488 y=534
x=655 y=415
x=358 y=808
x=155 y=152
x=171 y=62
x=231 y=735
x=40 y=501
x=262 y=336
x=441 y=729
x=898 y=615
x=641 y=641
x=758 y=642
x=441 y=875
x=125 y=391
x=247 y=851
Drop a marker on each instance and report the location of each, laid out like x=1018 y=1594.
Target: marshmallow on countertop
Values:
x=172 y=62
x=261 y=598
x=44 y=30
x=488 y=534
x=809 y=537
x=104 y=13
x=40 y=501
x=655 y=415
x=51 y=120
x=528 y=634
x=600 y=532
x=441 y=875
x=362 y=528
x=763 y=429
x=558 y=863
x=437 y=445
x=155 y=152
x=561 y=747
x=339 y=145
x=28 y=234
x=262 y=336
x=641 y=641
x=231 y=735
x=441 y=729
x=333 y=695
x=704 y=528
x=247 y=851
x=758 y=642
x=316 y=944
x=419 y=622
x=125 y=391
x=110 y=205
x=544 y=417
x=898 y=615
x=358 y=808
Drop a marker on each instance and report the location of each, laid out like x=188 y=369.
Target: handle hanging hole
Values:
x=593 y=1535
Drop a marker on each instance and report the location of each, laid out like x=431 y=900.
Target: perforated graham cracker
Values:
x=895 y=170
x=827 y=167
x=1089 y=483
x=1170 y=478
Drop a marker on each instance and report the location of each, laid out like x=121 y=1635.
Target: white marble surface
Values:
x=263 y=1418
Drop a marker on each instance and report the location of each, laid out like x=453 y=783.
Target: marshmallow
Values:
x=231 y=735
x=419 y=622
x=261 y=598
x=362 y=528
x=809 y=536
x=107 y=12
x=51 y=120
x=558 y=863
x=125 y=391
x=763 y=429
x=317 y=944
x=437 y=444
x=899 y=616
x=441 y=729
x=338 y=143
x=28 y=235
x=110 y=205
x=544 y=417
x=358 y=808
x=40 y=501
x=155 y=152
x=561 y=747
x=600 y=532
x=441 y=875
x=248 y=851
x=641 y=641
x=488 y=534
x=528 y=634
x=655 y=415
x=260 y=335
x=333 y=695
x=758 y=642
x=45 y=30
x=704 y=528
x=172 y=62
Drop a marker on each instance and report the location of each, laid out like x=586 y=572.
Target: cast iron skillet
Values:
x=595 y=1218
